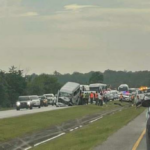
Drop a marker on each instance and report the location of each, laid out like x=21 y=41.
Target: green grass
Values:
x=4 y=109
x=11 y=128
x=92 y=135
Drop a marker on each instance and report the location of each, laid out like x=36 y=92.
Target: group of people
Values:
x=99 y=98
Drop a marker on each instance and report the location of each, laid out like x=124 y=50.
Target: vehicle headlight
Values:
x=29 y=103
x=18 y=103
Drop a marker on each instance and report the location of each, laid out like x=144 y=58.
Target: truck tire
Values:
x=30 y=107
x=17 y=108
x=39 y=106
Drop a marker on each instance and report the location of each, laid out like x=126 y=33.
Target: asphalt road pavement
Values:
x=15 y=113
x=142 y=145
x=126 y=137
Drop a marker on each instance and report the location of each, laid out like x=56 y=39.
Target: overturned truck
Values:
x=69 y=95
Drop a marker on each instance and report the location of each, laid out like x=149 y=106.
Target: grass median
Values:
x=11 y=128
x=88 y=137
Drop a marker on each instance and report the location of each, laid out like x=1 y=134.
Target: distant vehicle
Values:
x=148 y=90
x=123 y=88
x=69 y=94
x=28 y=102
x=51 y=99
x=125 y=97
x=43 y=100
x=115 y=94
x=140 y=94
x=132 y=90
x=98 y=87
x=109 y=95
x=84 y=87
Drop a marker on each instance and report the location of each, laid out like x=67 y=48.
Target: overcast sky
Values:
x=41 y=36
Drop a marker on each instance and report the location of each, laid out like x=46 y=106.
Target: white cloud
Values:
x=77 y=7
x=13 y=8
x=29 y=14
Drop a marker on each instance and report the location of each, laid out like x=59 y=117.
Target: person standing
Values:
x=96 y=98
x=87 y=98
x=121 y=97
x=83 y=98
x=91 y=97
x=99 y=99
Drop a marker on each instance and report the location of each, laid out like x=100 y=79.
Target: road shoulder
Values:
x=126 y=137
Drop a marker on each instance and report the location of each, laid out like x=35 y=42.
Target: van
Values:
x=69 y=94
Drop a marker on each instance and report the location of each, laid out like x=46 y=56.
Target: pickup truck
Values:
x=28 y=102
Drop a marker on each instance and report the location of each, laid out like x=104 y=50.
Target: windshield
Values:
x=121 y=89
x=148 y=90
x=148 y=95
x=34 y=97
x=95 y=89
x=23 y=98
x=49 y=96
x=64 y=94
x=140 y=92
x=132 y=91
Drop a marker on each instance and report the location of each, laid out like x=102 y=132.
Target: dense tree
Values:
x=16 y=82
x=43 y=84
x=97 y=77
x=4 y=100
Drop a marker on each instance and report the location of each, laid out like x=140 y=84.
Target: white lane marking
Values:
x=28 y=148
x=96 y=119
x=80 y=126
x=76 y=128
x=71 y=130
x=49 y=139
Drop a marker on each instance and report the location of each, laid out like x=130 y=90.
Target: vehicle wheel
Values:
x=30 y=107
x=17 y=108
x=39 y=106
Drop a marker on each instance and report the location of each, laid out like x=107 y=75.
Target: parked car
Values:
x=43 y=100
x=109 y=95
x=115 y=94
x=28 y=102
x=51 y=99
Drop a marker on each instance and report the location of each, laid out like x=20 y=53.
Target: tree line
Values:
x=14 y=83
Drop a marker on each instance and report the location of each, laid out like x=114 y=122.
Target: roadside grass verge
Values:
x=88 y=137
x=11 y=128
x=4 y=109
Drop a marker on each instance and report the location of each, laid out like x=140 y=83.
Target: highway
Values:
x=127 y=138
x=142 y=145
x=15 y=113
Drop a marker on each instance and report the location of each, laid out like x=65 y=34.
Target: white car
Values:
x=51 y=99
x=115 y=94
x=28 y=102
